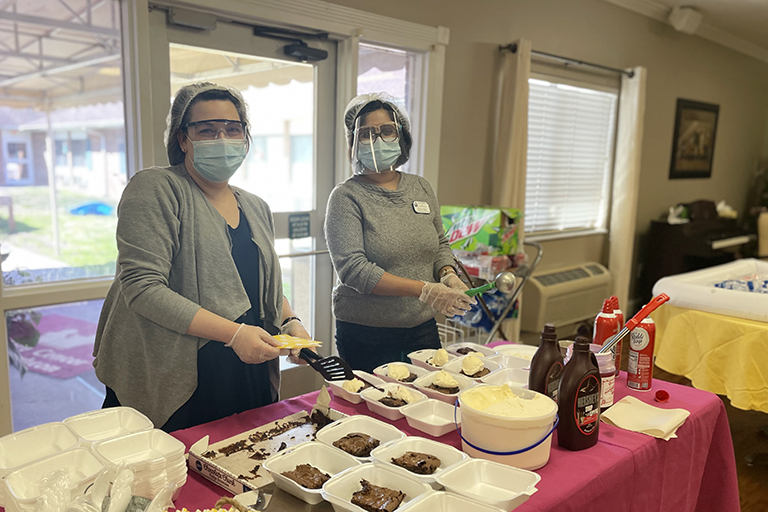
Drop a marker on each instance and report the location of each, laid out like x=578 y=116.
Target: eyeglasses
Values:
x=387 y=132
x=209 y=129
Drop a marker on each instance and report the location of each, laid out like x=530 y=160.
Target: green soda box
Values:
x=481 y=230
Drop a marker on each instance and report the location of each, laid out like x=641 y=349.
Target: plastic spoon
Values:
x=632 y=322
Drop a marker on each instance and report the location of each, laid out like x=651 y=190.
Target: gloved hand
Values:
x=454 y=282
x=296 y=329
x=254 y=345
x=445 y=300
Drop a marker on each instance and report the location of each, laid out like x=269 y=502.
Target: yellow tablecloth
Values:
x=721 y=354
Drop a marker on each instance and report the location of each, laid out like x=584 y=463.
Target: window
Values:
x=17 y=159
x=570 y=157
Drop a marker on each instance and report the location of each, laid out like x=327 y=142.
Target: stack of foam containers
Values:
x=156 y=459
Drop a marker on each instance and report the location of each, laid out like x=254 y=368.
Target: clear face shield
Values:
x=376 y=143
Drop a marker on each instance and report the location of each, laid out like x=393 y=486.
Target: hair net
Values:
x=352 y=113
x=184 y=98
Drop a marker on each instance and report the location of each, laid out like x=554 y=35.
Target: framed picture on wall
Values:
x=693 y=144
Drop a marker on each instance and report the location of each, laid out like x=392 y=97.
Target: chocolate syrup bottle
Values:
x=546 y=365
x=579 y=399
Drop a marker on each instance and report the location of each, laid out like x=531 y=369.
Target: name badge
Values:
x=421 y=207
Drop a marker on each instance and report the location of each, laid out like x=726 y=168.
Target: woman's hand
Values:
x=454 y=282
x=446 y=300
x=296 y=329
x=254 y=345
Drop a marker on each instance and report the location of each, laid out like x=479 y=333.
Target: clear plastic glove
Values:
x=454 y=282
x=296 y=329
x=446 y=300
x=254 y=345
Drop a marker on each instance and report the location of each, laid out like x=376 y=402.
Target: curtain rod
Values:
x=566 y=60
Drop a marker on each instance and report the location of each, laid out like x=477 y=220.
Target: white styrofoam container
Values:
x=355 y=398
x=372 y=396
x=420 y=358
x=325 y=458
x=34 y=443
x=423 y=383
x=148 y=450
x=454 y=366
x=384 y=432
x=433 y=417
x=476 y=347
x=106 y=424
x=517 y=350
x=507 y=361
x=22 y=486
x=515 y=377
x=383 y=372
x=339 y=489
x=441 y=501
x=448 y=455
x=490 y=482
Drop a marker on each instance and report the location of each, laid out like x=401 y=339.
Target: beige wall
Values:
x=679 y=66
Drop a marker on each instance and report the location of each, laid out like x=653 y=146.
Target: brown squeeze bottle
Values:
x=546 y=365
x=579 y=399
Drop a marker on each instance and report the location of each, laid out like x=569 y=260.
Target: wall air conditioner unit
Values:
x=564 y=296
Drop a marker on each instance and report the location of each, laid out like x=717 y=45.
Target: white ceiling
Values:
x=741 y=25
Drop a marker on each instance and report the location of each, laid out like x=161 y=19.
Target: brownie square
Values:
x=481 y=373
x=308 y=476
x=419 y=463
x=377 y=499
x=447 y=391
x=357 y=444
x=392 y=401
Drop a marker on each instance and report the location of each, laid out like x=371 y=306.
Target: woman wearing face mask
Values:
x=386 y=239
x=185 y=334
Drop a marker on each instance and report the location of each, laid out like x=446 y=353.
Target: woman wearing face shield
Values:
x=185 y=334
x=386 y=240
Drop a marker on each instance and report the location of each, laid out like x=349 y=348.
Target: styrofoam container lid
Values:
x=454 y=366
x=490 y=482
x=149 y=449
x=108 y=423
x=373 y=395
x=355 y=398
x=383 y=372
x=476 y=347
x=23 y=484
x=507 y=361
x=515 y=377
x=423 y=383
x=384 y=432
x=34 y=443
x=420 y=358
x=339 y=489
x=323 y=457
x=448 y=455
x=441 y=501
x=517 y=350
x=433 y=417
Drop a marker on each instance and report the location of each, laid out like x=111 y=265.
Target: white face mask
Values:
x=217 y=160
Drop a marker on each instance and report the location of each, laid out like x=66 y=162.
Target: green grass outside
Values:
x=83 y=239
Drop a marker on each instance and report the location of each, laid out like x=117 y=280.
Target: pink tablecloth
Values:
x=625 y=471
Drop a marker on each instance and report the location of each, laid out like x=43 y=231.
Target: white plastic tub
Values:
x=454 y=366
x=339 y=489
x=149 y=450
x=325 y=458
x=423 y=383
x=106 y=424
x=420 y=358
x=433 y=417
x=517 y=350
x=384 y=432
x=355 y=398
x=696 y=290
x=373 y=395
x=383 y=372
x=22 y=486
x=514 y=377
x=448 y=455
x=476 y=347
x=507 y=361
x=492 y=433
x=449 y=502
x=489 y=482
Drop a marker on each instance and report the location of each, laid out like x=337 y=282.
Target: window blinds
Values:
x=570 y=157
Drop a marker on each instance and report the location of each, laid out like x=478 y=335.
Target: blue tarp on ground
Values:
x=91 y=208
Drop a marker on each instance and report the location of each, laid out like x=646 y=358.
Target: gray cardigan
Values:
x=370 y=230
x=174 y=257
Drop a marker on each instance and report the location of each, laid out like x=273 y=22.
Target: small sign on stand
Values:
x=298 y=225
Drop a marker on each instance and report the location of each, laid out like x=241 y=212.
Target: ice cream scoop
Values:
x=444 y=379
x=398 y=371
x=504 y=282
x=440 y=358
x=471 y=364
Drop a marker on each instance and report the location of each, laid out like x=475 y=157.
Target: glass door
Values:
x=290 y=163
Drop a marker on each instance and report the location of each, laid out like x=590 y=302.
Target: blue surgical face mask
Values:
x=378 y=157
x=217 y=160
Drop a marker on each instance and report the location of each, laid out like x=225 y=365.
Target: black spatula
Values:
x=331 y=367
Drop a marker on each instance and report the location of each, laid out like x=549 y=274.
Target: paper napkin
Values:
x=632 y=414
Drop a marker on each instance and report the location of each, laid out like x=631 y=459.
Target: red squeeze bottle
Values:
x=620 y=316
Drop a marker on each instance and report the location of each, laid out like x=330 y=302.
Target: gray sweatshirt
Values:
x=370 y=230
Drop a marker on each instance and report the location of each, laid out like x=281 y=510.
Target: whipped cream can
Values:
x=640 y=364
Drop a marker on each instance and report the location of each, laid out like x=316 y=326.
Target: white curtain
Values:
x=629 y=142
x=512 y=129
